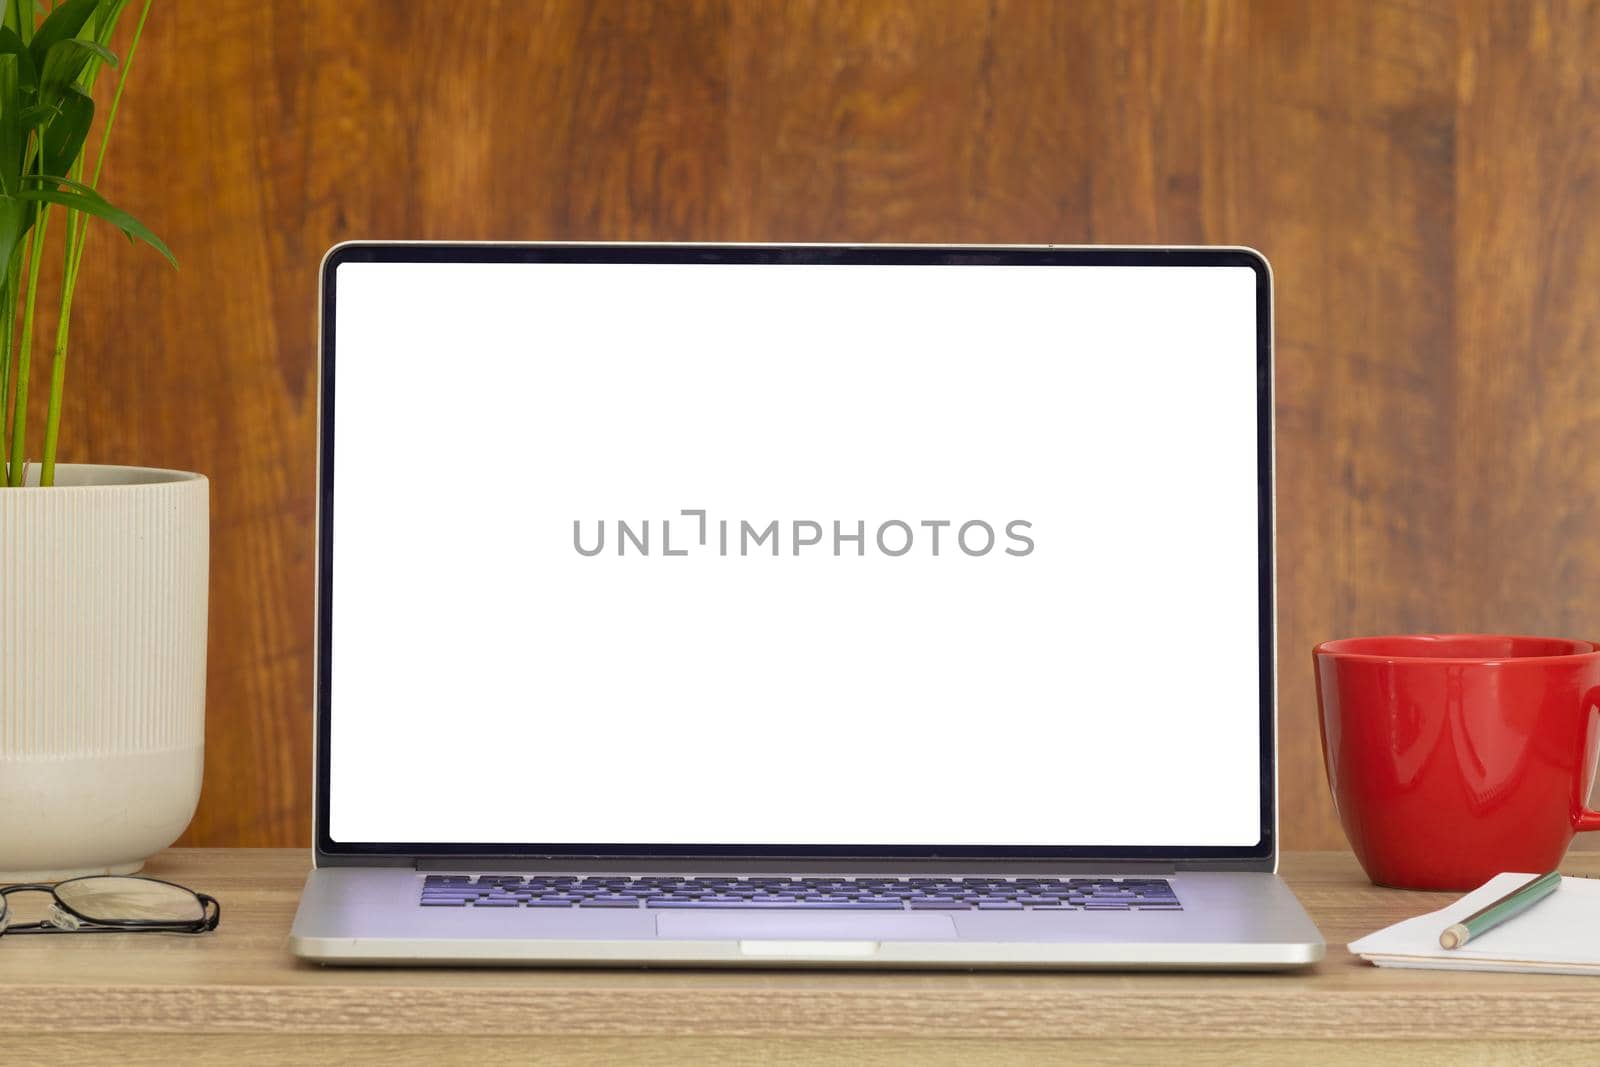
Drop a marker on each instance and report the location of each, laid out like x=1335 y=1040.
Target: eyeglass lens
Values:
x=112 y=898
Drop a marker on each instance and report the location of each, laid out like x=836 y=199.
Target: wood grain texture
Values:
x=1423 y=176
x=233 y=1050
x=238 y=995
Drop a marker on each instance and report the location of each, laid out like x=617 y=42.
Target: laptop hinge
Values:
x=791 y=865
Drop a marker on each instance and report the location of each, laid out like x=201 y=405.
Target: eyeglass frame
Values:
x=210 y=912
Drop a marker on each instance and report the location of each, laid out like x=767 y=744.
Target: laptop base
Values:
x=371 y=916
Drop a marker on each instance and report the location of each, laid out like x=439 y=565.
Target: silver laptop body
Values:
x=801 y=605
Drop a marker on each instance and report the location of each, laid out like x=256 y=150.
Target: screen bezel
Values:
x=1260 y=855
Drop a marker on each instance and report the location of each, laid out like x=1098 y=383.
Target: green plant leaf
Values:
x=20 y=18
x=80 y=197
x=27 y=73
x=15 y=216
x=35 y=178
x=10 y=126
x=104 y=22
x=64 y=62
x=36 y=115
x=64 y=137
x=62 y=24
x=94 y=48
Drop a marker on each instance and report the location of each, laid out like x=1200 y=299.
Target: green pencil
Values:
x=1512 y=904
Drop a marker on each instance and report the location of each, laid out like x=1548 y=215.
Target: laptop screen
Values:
x=855 y=554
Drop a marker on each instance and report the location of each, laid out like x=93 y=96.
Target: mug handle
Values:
x=1585 y=818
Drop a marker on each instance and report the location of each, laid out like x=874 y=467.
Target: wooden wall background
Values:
x=1425 y=177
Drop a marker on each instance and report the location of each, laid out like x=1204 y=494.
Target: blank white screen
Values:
x=492 y=684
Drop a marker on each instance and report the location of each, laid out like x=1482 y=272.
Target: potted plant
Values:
x=103 y=569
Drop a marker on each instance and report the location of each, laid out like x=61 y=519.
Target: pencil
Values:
x=1493 y=914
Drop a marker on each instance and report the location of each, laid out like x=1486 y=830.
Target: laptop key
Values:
x=759 y=905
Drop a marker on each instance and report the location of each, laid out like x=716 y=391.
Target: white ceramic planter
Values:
x=102 y=668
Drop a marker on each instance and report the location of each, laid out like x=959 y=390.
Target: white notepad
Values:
x=1558 y=935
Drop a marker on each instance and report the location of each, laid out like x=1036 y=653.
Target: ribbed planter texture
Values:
x=102 y=668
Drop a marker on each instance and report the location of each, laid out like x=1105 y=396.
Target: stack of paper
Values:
x=1558 y=935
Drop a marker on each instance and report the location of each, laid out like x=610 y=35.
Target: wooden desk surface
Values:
x=237 y=995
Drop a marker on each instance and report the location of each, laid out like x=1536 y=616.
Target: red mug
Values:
x=1454 y=757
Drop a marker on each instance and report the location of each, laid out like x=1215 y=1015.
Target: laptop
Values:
x=810 y=605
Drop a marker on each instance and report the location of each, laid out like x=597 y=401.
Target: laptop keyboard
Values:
x=845 y=894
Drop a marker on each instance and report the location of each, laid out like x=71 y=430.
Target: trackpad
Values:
x=790 y=926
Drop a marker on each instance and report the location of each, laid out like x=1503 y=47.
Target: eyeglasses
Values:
x=113 y=903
